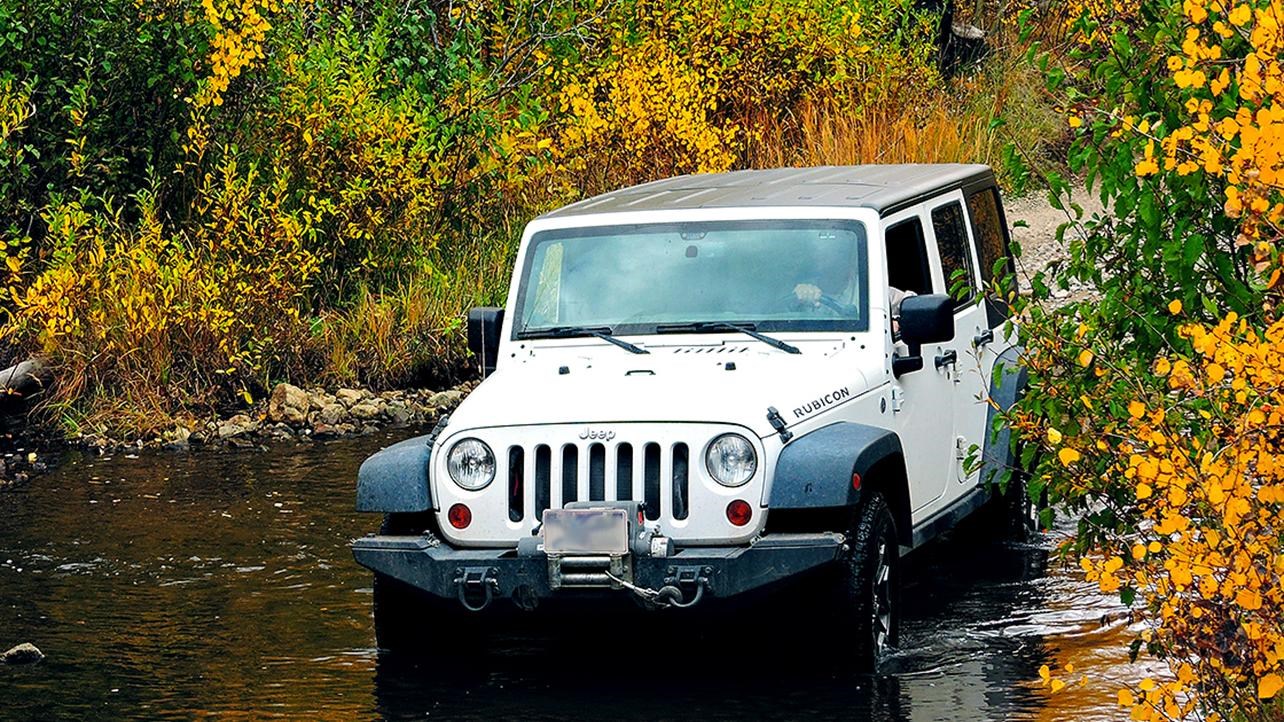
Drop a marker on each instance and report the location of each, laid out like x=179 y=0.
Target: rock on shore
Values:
x=293 y=412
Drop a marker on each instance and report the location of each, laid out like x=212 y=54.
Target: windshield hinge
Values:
x=778 y=423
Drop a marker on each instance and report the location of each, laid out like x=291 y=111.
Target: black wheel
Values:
x=1020 y=518
x=869 y=613
x=1016 y=512
x=409 y=619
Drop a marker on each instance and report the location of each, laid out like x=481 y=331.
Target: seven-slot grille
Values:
x=548 y=476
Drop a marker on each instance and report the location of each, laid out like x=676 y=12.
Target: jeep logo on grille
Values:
x=603 y=434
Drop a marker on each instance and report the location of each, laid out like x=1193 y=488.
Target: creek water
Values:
x=219 y=583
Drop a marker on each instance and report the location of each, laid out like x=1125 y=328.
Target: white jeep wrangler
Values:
x=708 y=384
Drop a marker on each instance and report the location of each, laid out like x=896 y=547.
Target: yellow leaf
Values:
x=1248 y=599
x=14 y=263
x=1126 y=699
x=1085 y=358
x=1136 y=409
x=1057 y=685
x=1045 y=673
x=1068 y=456
x=1054 y=436
x=1174 y=307
x=1269 y=686
x=1215 y=373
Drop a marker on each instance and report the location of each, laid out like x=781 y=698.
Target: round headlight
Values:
x=731 y=460
x=471 y=464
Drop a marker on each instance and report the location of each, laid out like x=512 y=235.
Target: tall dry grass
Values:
x=957 y=125
x=412 y=333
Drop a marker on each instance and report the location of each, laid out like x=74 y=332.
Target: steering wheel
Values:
x=825 y=303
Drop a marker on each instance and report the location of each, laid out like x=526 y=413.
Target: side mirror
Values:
x=484 y=325
x=924 y=319
x=927 y=319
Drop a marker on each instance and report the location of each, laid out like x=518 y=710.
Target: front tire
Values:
x=400 y=614
x=407 y=619
x=869 y=613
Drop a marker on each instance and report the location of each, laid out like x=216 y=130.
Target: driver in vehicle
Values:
x=832 y=281
x=810 y=295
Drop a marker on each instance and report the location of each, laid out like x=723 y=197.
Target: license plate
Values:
x=586 y=531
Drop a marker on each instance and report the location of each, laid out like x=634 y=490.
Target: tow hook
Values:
x=674 y=593
x=476 y=587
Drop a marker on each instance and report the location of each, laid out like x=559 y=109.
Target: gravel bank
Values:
x=1038 y=238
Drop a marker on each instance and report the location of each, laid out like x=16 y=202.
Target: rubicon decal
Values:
x=817 y=404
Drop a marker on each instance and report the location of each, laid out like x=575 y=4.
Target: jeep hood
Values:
x=657 y=388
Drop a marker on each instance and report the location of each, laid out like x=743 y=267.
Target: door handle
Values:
x=982 y=338
x=946 y=358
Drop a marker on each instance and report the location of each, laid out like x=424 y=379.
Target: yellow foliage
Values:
x=1231 y=68
x=655 y=112
x=1206 y=558
x=132 y=308
x=698 y=86
x=1068 y=456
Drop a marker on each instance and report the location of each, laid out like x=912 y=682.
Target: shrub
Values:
x=1155 y=399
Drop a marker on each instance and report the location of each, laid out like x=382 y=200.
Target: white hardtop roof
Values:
x=884 y=188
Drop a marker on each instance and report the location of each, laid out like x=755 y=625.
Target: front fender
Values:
x=395 y=479
x=815 y=471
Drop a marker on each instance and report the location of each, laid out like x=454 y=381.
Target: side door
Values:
x=970 y=371
x=922 y=401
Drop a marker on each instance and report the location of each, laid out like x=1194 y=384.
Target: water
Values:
x=175 y=586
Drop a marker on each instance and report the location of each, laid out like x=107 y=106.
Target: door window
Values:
x=907 y=265
x=956 y=257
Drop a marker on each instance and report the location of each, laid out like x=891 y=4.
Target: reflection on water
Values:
x=172 y=585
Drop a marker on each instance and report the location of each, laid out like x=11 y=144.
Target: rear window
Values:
x=987 y=226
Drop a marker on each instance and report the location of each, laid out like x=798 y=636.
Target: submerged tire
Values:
x=1018 y=515
x=869 y=585
x=407 y=619
x=399 y=614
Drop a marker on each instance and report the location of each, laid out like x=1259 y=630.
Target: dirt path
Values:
x=1038 y=239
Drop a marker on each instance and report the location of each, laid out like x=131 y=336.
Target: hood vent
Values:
x=710 y=349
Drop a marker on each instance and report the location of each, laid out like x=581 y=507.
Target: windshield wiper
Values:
x=745 y=328
x=602 y=332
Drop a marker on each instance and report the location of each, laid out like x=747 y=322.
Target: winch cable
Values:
x=666 y=596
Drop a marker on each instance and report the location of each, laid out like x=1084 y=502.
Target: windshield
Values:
x=795 y=275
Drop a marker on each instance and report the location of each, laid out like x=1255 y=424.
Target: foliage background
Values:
x=201 y=198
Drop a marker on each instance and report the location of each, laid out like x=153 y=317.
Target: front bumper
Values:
x=478 y=576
